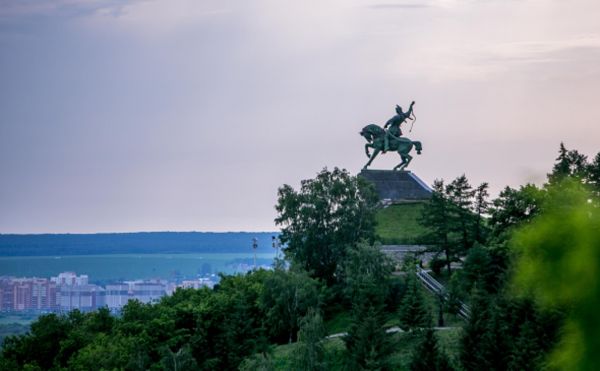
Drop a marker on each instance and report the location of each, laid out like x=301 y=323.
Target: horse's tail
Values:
x=418 y=147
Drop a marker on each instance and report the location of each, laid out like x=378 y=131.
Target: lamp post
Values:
x=276 y=245
x=255 y=246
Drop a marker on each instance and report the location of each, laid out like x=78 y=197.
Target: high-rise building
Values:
x=117 y=295
x=147 y=291
x=83 y=297
x=70 y=278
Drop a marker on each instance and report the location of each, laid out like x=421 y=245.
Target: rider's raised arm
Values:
x=410 y=110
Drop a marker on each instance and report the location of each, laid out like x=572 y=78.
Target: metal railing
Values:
x=437 y=288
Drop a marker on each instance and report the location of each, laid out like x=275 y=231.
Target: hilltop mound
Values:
x=398 y=224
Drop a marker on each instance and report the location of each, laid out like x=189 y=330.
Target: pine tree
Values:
x=561 y=168
x=365 y=272
x=367 y=343
x=436 y=218
x=569 y=163
x=427 y=355
x=413 y=311
x=526 y=352
x=460 y=193
x=593 y=175
x=480 y=208
x=476 y=333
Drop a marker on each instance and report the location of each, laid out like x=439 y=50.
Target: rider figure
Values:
x=394 y=124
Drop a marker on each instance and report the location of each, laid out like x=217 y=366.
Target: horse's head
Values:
x=372 y=132
x=365 y=133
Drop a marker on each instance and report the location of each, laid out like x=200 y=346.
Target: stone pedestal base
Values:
x=397 y=186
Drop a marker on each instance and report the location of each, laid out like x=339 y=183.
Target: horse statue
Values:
x=375 y=136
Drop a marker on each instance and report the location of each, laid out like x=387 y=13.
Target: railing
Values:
x=437 y=288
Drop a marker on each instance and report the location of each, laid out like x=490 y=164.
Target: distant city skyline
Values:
x=180 y=115
x=68 y=291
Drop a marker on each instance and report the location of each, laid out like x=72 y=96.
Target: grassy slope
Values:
x=448 y=339
x=400 y=359
x=398 y=224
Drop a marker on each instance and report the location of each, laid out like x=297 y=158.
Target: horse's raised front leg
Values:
x=367 y=149
x=375 y=153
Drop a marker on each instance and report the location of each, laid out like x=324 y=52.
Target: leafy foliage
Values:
x=558 y=264
x=569 y=163
x=413 y=312
x=366 y=274
x=455 y=217
x=324 y=218
x=436 y=216
x=368 y=346
x=287 y=296
x=310 y=351
x=515 y=207
x=427 y=356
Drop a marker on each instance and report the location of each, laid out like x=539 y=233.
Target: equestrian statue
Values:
x=382 y=140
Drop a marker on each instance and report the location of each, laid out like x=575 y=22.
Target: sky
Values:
x=180 y=115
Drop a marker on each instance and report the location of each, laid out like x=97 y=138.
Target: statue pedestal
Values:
x=397 y=186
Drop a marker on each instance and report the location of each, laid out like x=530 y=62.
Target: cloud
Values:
x=398 y=6
x=51 y=8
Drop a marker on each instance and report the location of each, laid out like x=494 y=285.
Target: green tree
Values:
x=413 y=312
x=477 y=270
x=558 y=264
x=309 y=354
x=324 y=218
x=569 y=163
x=286 y=298
x=230 y=322
x=562 y=167
x=514 y=207
x=368 y=345
x=478 y=340
x=526 y=353
x=460 y=194
x=40 y=347
x=593 y=175
x=480 y=208
x=366 y=268
x=180 y=360
x=366 y=273
x=436 y=216
x=427 y=355
x=106 y=353
x=258 y=362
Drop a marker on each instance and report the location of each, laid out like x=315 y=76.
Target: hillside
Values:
x=398 y=224
x=405 y=343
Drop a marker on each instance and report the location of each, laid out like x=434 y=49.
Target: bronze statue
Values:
x=381 y=140
x=394 y=124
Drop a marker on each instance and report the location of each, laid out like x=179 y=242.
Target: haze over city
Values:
x=187 y=115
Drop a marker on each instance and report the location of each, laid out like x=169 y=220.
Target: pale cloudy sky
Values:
x=189 y=114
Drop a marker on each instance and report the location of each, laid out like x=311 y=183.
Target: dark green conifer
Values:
x=413 y=311
x=427 y=355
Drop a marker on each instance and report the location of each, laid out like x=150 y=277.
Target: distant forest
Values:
x=133 y=243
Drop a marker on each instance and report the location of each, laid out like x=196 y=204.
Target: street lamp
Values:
x=255 y=246
x=276 y=245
